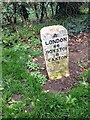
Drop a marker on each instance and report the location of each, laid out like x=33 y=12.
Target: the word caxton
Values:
x=55 y=47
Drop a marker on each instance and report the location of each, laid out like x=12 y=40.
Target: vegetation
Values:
x=23 y=96
x=31 y=101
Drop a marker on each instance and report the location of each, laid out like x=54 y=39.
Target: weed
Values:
x=85 y=76
x=39 y=77
x=35 y=42
x=10 y=40
x=36 y=103
x=32 y=66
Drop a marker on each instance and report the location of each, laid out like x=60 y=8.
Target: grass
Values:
x=22 y=95
x=17 y=80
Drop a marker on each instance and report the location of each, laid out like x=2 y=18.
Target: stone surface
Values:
x=55 y=47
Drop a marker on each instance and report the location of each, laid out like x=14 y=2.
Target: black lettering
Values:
x=49 y=60
x=50 y=51
x=65 y=57
x=56 y=58
x=54 y=46
x=50 y=42
x=53 y=59
x=65 y=39
x=54 y=41
x=57 y=40
x=53 y=50
x=57 y=45
x=59 y=57
x=47 y=51
x=57 y=50
x=60 y=49
x=46 y=43
x=61 y=39
x=57 y=54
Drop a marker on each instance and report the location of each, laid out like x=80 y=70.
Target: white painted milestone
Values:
x=55 y=47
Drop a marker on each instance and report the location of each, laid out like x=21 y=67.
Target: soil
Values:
x=16 y=97
x=78 y=60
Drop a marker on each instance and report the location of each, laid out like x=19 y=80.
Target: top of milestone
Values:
x=52 y=29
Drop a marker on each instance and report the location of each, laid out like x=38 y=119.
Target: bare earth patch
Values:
x=16 y=97
x=78 y=60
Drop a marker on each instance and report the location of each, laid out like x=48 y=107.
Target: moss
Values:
x=58 y=69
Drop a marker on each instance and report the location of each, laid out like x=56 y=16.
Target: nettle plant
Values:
x=10 y=40
x=70 y=100
x=34 y=41
x=32 y=66
x=39 y=77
